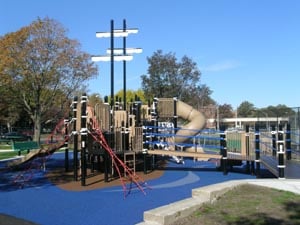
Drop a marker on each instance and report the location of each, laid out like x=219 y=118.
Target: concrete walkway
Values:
x=168 y=214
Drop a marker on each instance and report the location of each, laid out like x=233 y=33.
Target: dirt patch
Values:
x=95 y=181
x=248 y=204
x=11 y=220
x=65 y=180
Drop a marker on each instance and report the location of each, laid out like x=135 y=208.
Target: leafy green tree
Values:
x=10 y=110
x=274 y=111
x=167 y=77
x=131 y=95
x=245 y=109
x=95 y=99
x=42 y=67
x=202 y=96
x=226 y=111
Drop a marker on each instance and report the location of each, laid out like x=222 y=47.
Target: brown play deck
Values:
x=200 y=155
x=292 y=169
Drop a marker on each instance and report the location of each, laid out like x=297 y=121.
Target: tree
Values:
x=10 y=112
x=95 y=99
x=169 y=78
x=202 y=96
x=279 y=110
x=245 y=109
x=275 y=111
x=41 y=68
x=226 y=111
x=131 y=95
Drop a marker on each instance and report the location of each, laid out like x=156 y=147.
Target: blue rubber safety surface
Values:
x=42 y=202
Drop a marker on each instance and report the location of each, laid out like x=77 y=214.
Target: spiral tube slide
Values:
x=196 y=121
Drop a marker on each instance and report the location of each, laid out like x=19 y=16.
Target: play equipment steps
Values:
x=129 y=160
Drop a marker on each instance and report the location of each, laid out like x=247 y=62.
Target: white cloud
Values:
x=221 y=66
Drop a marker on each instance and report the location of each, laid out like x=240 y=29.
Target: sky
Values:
x=246 y=50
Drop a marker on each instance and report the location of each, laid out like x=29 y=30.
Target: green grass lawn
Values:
x=7 y=155
x=4 y=154
x=248 y=205
x=5 y=147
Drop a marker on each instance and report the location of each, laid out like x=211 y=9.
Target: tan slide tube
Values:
x=196 y=121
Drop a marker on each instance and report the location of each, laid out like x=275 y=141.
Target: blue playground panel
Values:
x=42 y=202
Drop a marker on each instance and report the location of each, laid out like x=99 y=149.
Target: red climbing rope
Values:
x=99 y=137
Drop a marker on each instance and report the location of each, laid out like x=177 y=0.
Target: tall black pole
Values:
x=75 y=139
x=111 y=74
x=223 y=149
x=274 y=148
x=66 y=122
x=175 y=117
x=280 y=152
x=111 y=120
x=84 y=134
x=288 y=142
x=124 y=66
x=247 y=139
x=257 y=150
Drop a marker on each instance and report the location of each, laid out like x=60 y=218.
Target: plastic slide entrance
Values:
x=196 y=123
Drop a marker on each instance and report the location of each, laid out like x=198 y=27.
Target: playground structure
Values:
x=116 y=138
x=145 y=131
x=120 y=138
x=119 y=142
